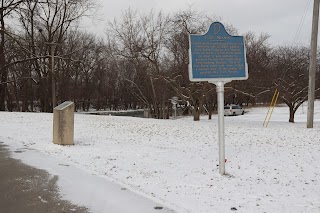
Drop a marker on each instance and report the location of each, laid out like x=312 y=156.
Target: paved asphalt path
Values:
x=24 y=189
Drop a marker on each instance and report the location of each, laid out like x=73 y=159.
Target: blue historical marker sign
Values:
x=217 y=56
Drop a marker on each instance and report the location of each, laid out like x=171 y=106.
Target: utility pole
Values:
x=53 y=80
x=313 y=61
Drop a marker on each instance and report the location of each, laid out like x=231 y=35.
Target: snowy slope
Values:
x=274 y=169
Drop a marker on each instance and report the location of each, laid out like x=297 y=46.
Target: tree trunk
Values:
x=32 y=100
x=161 y=111
x=25 y=97
x=210 y=110
x=98 y=103
x=3 y=71
x=167 y=112
x=291 y=119
x=196 y=113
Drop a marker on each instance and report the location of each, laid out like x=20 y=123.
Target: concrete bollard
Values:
x=146 y=113
x=63 y=124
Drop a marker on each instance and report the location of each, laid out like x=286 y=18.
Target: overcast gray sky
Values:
x=279 y=18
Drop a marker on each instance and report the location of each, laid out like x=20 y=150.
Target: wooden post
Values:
x=312 y=67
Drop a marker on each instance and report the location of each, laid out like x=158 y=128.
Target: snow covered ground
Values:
x=274 y=169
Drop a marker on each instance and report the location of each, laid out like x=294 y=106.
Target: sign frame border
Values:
x=216 y=79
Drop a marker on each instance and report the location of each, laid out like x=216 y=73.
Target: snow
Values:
x=93 y=191
x=174 y=162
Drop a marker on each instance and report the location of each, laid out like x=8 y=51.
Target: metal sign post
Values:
x=218 y=58
x=220 y=96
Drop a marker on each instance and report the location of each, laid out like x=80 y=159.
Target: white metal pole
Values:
x=220 y=93
x=312 y=69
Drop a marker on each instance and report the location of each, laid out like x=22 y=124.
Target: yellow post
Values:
x=275 y=102
x=274 y=95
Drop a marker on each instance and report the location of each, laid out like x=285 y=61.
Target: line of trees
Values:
x=141 y=63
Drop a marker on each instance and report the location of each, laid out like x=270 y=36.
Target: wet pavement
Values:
x=24 y=189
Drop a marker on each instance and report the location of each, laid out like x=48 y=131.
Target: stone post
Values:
x=63 y=124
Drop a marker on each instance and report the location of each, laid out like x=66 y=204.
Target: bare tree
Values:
x=291 y=64
x=140 y=40
x=261 y=73
x=6 y=9
x=195 y=93
x=52 y=19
